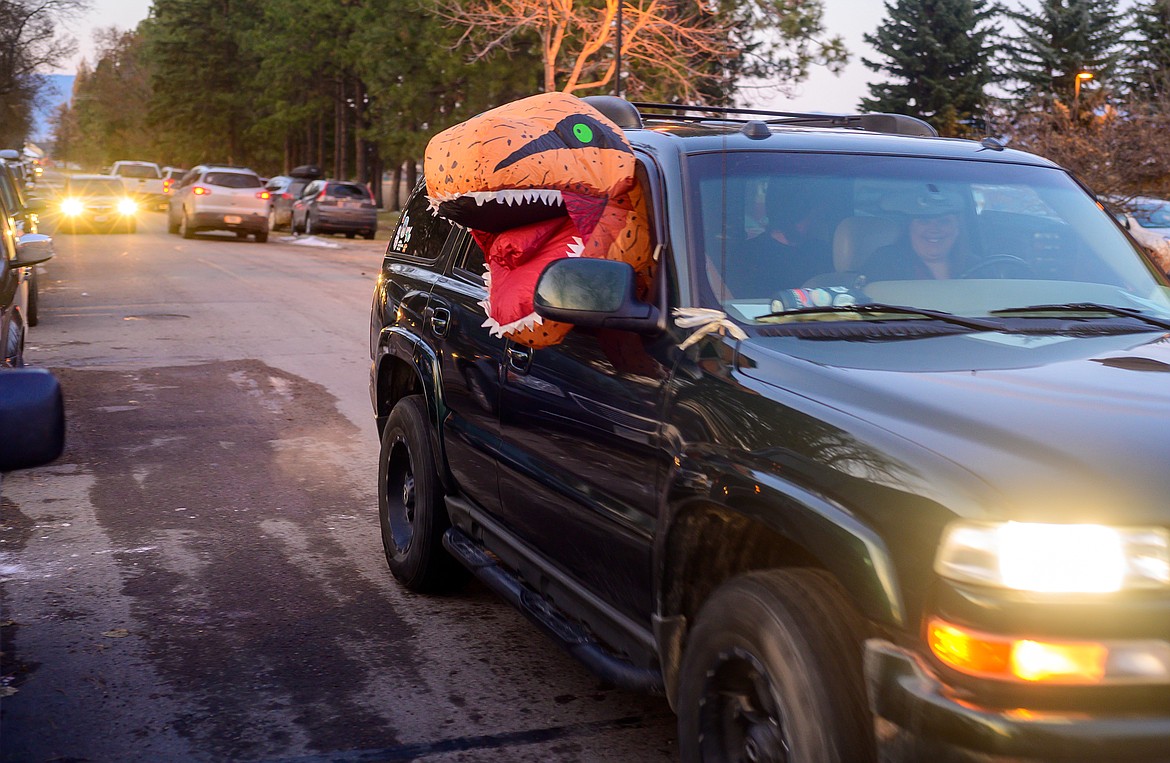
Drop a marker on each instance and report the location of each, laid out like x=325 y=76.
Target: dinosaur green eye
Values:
x=583 y=132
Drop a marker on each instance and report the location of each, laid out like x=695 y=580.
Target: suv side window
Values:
x=469 y=259
x=420 y=234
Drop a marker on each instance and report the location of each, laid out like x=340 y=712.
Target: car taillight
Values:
x=264 y=195
x=286 y=196
x=201 y=191
x=167 y=185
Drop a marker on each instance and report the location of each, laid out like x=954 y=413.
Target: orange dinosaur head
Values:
x=536 y=180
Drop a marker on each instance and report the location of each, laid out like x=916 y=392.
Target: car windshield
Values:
x=1152 y=214
x=233 y=180
x=778 y=232
x=95 y=187
x=347 y=191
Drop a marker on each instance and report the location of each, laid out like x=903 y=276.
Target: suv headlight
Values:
x=127 y=206
x=1055 y=558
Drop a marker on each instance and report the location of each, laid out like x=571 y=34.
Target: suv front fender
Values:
x=404 y=364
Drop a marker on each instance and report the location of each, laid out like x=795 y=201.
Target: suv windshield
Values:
x=964 y=237
x=232 y=180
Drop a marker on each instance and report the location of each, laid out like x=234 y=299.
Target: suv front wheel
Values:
x=772 y=672
x=410 y=503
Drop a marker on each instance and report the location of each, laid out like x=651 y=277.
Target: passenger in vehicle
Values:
x=929 y=247
x=790 y=250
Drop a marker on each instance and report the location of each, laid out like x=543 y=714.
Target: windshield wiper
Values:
x=869 y=308
x=1089 y=307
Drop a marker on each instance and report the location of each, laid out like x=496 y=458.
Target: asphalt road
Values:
x=200 y=577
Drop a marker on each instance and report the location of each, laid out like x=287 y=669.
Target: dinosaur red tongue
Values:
x=515 y=260
x=584 y=211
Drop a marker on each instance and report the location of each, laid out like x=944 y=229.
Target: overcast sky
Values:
x=821 y=92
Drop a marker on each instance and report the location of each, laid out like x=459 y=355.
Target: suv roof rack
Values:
x=894 y=124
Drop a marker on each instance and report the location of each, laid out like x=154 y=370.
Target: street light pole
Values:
x=1082 y=76
x=617 y=78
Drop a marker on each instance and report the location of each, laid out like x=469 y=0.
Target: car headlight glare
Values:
x=1055 y=558
x=72 y=207
x=127 y=206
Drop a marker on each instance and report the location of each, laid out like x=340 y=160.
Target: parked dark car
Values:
x=863 y=500
x=18 y=255
x=23 y=213
x=335 y=206
x=96 y=204
x=285 y=190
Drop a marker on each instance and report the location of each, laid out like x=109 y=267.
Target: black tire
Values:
x=368 y=236
x=774 y=662
x=411 y=512
x=261 y=236
x=350 y=234
x=241 y=234
x=172 y=224
x=308 y=225
x=185 y=227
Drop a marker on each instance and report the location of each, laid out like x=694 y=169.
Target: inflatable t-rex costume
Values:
x=535 y=180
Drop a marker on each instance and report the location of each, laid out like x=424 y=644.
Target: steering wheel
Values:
x=1001 y=266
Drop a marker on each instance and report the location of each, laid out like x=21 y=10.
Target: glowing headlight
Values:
x=1050 y=558
x=127 y=206
x=72 y=207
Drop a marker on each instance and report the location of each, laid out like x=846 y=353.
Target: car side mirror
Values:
x=32 y=248
x=32 y=418
x=593 y=293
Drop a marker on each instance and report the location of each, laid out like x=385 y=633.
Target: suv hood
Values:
x=1058 y=428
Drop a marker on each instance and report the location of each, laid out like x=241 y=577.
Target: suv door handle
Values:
x=519 y=357
x=440 y=320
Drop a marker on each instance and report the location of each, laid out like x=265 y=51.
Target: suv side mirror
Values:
x=593 y=293
x=32 y=418
x=32 y=248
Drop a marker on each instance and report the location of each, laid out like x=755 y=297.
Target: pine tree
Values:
x=1059 y=40
x=937 y=58
x=1147 y=61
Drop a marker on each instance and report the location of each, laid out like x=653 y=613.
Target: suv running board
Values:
x=536 y=608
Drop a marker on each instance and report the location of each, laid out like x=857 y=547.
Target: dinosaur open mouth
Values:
x=515 y=259
x=498 y=211
x=521 y=232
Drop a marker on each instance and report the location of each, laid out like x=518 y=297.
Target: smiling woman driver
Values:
x=928 y=247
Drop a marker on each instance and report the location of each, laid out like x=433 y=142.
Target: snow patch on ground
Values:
x=310 y=241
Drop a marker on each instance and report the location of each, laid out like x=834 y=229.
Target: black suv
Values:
x=889 y=508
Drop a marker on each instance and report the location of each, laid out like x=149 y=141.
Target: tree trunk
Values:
x=397 y=181
x=411 y=175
